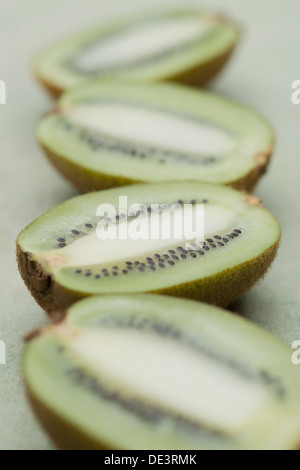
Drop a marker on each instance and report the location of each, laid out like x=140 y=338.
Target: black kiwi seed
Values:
x=179 y=248
x=205 y=248
x=195 y=247
x=88 y=225
x=201 y=253
x=115 y=273
x=115 y=267
x=166 y=256
x=193 y=202
x=152 y=268
x=156 y=255
x=180 y=201
x=175 y=257
x=61 y=240
x=220 y=244
x=128 y=263
x=171 y=262
x=161 y=265
x=234 y=234
x=104 y=270
x=97 y=276
x=141 y=269
x=149 y=259
x=78 y=271
x=75 y=232
x=229 y=236
x=106 y=274
x=217 y=237
x=136 y=263
x=143 y=265
x=205 y=201
x=62 y=245
x=210 y=240
x=172 y=252
x=193 y=255
x=183 y=256
x=213 y=245
x=225 y=240
x=124 y=271
x=88 y=274
x=237 y=230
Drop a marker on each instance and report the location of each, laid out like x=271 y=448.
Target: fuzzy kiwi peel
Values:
x=61 y=258
x=187 y=46
x=152 y=372
x=109 y=134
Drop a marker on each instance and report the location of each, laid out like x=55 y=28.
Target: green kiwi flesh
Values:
x=188 y=46
x=62 y=259
x=110 y=134
x=152 y=372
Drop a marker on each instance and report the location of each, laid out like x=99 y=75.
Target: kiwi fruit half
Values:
x=63 y=255
x=152 y=372
x=188 y=46
x=111 y=134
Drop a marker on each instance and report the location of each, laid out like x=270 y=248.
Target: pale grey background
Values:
x=261 y=73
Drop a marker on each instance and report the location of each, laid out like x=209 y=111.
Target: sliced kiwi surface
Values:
x=111 y=134
x=188 y=46
x=152 y=372
x=61 y=257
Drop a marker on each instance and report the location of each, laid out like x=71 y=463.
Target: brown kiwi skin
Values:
x=87 y=180
x=221 y=289
x=198 y=76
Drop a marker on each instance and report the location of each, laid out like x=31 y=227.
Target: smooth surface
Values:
x=260 y=75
